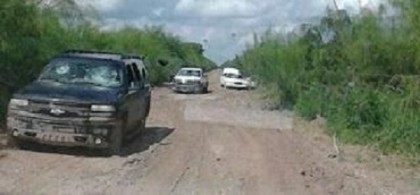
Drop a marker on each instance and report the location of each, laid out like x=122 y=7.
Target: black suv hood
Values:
x=47 y=91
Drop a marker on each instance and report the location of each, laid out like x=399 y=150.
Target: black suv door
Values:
x=142 y=92
x=132 y=100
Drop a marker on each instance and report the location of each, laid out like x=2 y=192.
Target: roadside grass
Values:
x=358 y=160
x=365 y=80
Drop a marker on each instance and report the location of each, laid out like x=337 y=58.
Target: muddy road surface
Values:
x=216 y=143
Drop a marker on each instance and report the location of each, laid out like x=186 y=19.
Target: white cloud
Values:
x=355 y=5
x=112 y=24
x=159 y=11
x=217 y=20
x=221 y=8
x=102 y=5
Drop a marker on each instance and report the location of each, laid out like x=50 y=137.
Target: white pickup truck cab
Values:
x=232 y=78
x=191 y=80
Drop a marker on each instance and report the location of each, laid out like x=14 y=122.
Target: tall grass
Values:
x=30 y=34
x=361 y=73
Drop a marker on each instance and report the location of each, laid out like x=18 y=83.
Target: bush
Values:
x=361 y=73
x=359 y=115
x=402 y=129
x=312 y=102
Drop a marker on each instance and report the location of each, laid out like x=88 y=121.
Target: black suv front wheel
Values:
x=20 y=144
x=116 y=141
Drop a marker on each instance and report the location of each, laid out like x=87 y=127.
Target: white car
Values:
x=232 y=78
x=191 y=80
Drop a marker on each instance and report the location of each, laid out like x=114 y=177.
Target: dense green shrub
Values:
x=361 y=73
x=312 y=102
x=402 y=129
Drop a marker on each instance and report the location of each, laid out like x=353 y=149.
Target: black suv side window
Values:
x=132 y=81
x=137 y=72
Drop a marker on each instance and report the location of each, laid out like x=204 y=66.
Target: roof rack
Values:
x=102 y=55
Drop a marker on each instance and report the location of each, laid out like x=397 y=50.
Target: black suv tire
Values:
x=148 y=107
x=205 y=90
x=116 y=141
x=20 y=144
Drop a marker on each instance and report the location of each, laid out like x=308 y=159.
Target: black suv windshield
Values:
x=83 y=71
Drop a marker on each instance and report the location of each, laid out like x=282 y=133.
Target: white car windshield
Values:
x=83 y=71
x=234 y=76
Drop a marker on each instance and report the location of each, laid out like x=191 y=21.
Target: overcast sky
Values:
x=226 y=24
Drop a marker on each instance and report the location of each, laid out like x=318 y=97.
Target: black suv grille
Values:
x=59 y=109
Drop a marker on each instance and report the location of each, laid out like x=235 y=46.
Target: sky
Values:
x=224 y=27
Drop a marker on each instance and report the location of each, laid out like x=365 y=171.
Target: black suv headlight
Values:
x=102 y=108
x=102 y=113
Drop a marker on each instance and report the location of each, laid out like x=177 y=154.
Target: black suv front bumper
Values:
x=60 y=132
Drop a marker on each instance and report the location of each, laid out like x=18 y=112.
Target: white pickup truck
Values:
x=191 y=80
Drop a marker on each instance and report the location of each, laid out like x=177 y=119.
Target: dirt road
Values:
x=217 y=143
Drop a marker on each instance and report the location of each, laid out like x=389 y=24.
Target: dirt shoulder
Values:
x=376 y=173
x=216 y=143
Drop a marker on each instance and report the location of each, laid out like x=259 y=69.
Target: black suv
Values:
x=83 y=98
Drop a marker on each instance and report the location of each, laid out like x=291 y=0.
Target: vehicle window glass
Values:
x=130 y=75
x=233 y=76
x=83 y=71
x=184 y=72
x=136 y=72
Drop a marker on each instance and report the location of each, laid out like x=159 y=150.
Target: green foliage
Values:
x=312 y=102
x=360 y=73
x=31 y=34
x=403 y=125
